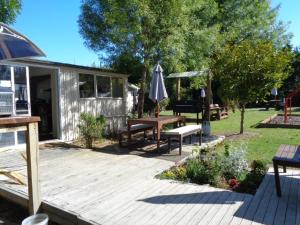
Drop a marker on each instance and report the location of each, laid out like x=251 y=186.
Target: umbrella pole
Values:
x=178 y=83
x=157 y=109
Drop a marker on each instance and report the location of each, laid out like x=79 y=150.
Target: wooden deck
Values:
x=86 y=187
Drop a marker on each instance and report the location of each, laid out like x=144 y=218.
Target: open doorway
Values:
x=44 y=100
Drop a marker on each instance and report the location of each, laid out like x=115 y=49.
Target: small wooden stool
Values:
x=287 y=155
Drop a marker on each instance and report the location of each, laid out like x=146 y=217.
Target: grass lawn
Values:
x=262 y=142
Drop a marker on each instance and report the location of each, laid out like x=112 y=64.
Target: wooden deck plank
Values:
x=249 y=215
x=132 y=215
x=239 y=200
x=272 y=207
x=298 y=199
x=123 y=206
x=291 y=211
x=114 y=189
x=213 y=210
x=189 y=199
x=262 y=207
x=227 y=210
x=282 y=204
x=211 y=198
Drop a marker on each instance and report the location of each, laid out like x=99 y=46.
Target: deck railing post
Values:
x=32 y=153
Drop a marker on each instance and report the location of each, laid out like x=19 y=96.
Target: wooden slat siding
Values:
x=145 y=215
x=282 y=204
x=262 y=207
x=256 y=201
x=291 y=212
x=240 y=200
x=212 y=212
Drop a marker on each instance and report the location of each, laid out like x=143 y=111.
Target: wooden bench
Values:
x=136 y=128
x=287 y=155
x=182 y=132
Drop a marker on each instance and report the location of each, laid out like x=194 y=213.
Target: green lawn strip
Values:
x=262 y=142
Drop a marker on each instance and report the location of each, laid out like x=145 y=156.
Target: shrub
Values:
x=253 y=179
x=175 y=173
x=203 y=169
x=234 y=162
x=91 y=127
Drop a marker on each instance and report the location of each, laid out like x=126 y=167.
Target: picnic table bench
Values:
x=181 y=132
x=136 y=128
x=287 y=155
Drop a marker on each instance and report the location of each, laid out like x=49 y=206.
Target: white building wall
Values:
x=71 y=105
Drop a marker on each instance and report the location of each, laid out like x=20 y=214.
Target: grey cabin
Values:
x=58 y=93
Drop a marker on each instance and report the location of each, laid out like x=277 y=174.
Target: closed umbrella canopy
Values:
x=157 y=87
x=15 y=45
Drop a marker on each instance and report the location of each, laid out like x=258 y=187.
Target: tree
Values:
x=9 y=9
x=250 y=20
x=149 y=30
x=248 y=71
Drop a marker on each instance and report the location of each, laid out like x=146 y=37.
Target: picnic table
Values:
x=157 y=122
x=287 y=155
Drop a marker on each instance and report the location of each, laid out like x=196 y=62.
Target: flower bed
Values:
x=228 y=170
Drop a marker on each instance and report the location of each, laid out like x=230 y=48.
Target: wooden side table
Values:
x=30 y=125
x=287 y=155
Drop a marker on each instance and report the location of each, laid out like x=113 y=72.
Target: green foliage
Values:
x=247 y=72
x=204 y=168
x=251 y=181
x=234 y=162
x=9 y=10
x=175 y=173
x=91 y=127
x=250 y=20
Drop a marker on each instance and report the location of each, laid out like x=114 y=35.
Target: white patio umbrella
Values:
x=274 y=92
x=157 y=91
x=15 y=45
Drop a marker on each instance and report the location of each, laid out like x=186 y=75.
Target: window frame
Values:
x=95 y=91
x=96 y=86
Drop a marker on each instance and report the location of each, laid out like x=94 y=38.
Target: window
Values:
x=103 y=87
x=117 y=87
x=21 y=94
x=106 y=87
x=86 y=86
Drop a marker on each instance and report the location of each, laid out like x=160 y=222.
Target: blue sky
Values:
x=52 y=25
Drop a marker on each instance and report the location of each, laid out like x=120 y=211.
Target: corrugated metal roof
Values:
x=189 y=74
x=59 y=64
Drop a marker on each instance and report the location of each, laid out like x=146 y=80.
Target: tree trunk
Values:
x=141 y=97
x=242 y=119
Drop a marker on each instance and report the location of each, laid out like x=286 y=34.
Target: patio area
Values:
x=100 y=187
